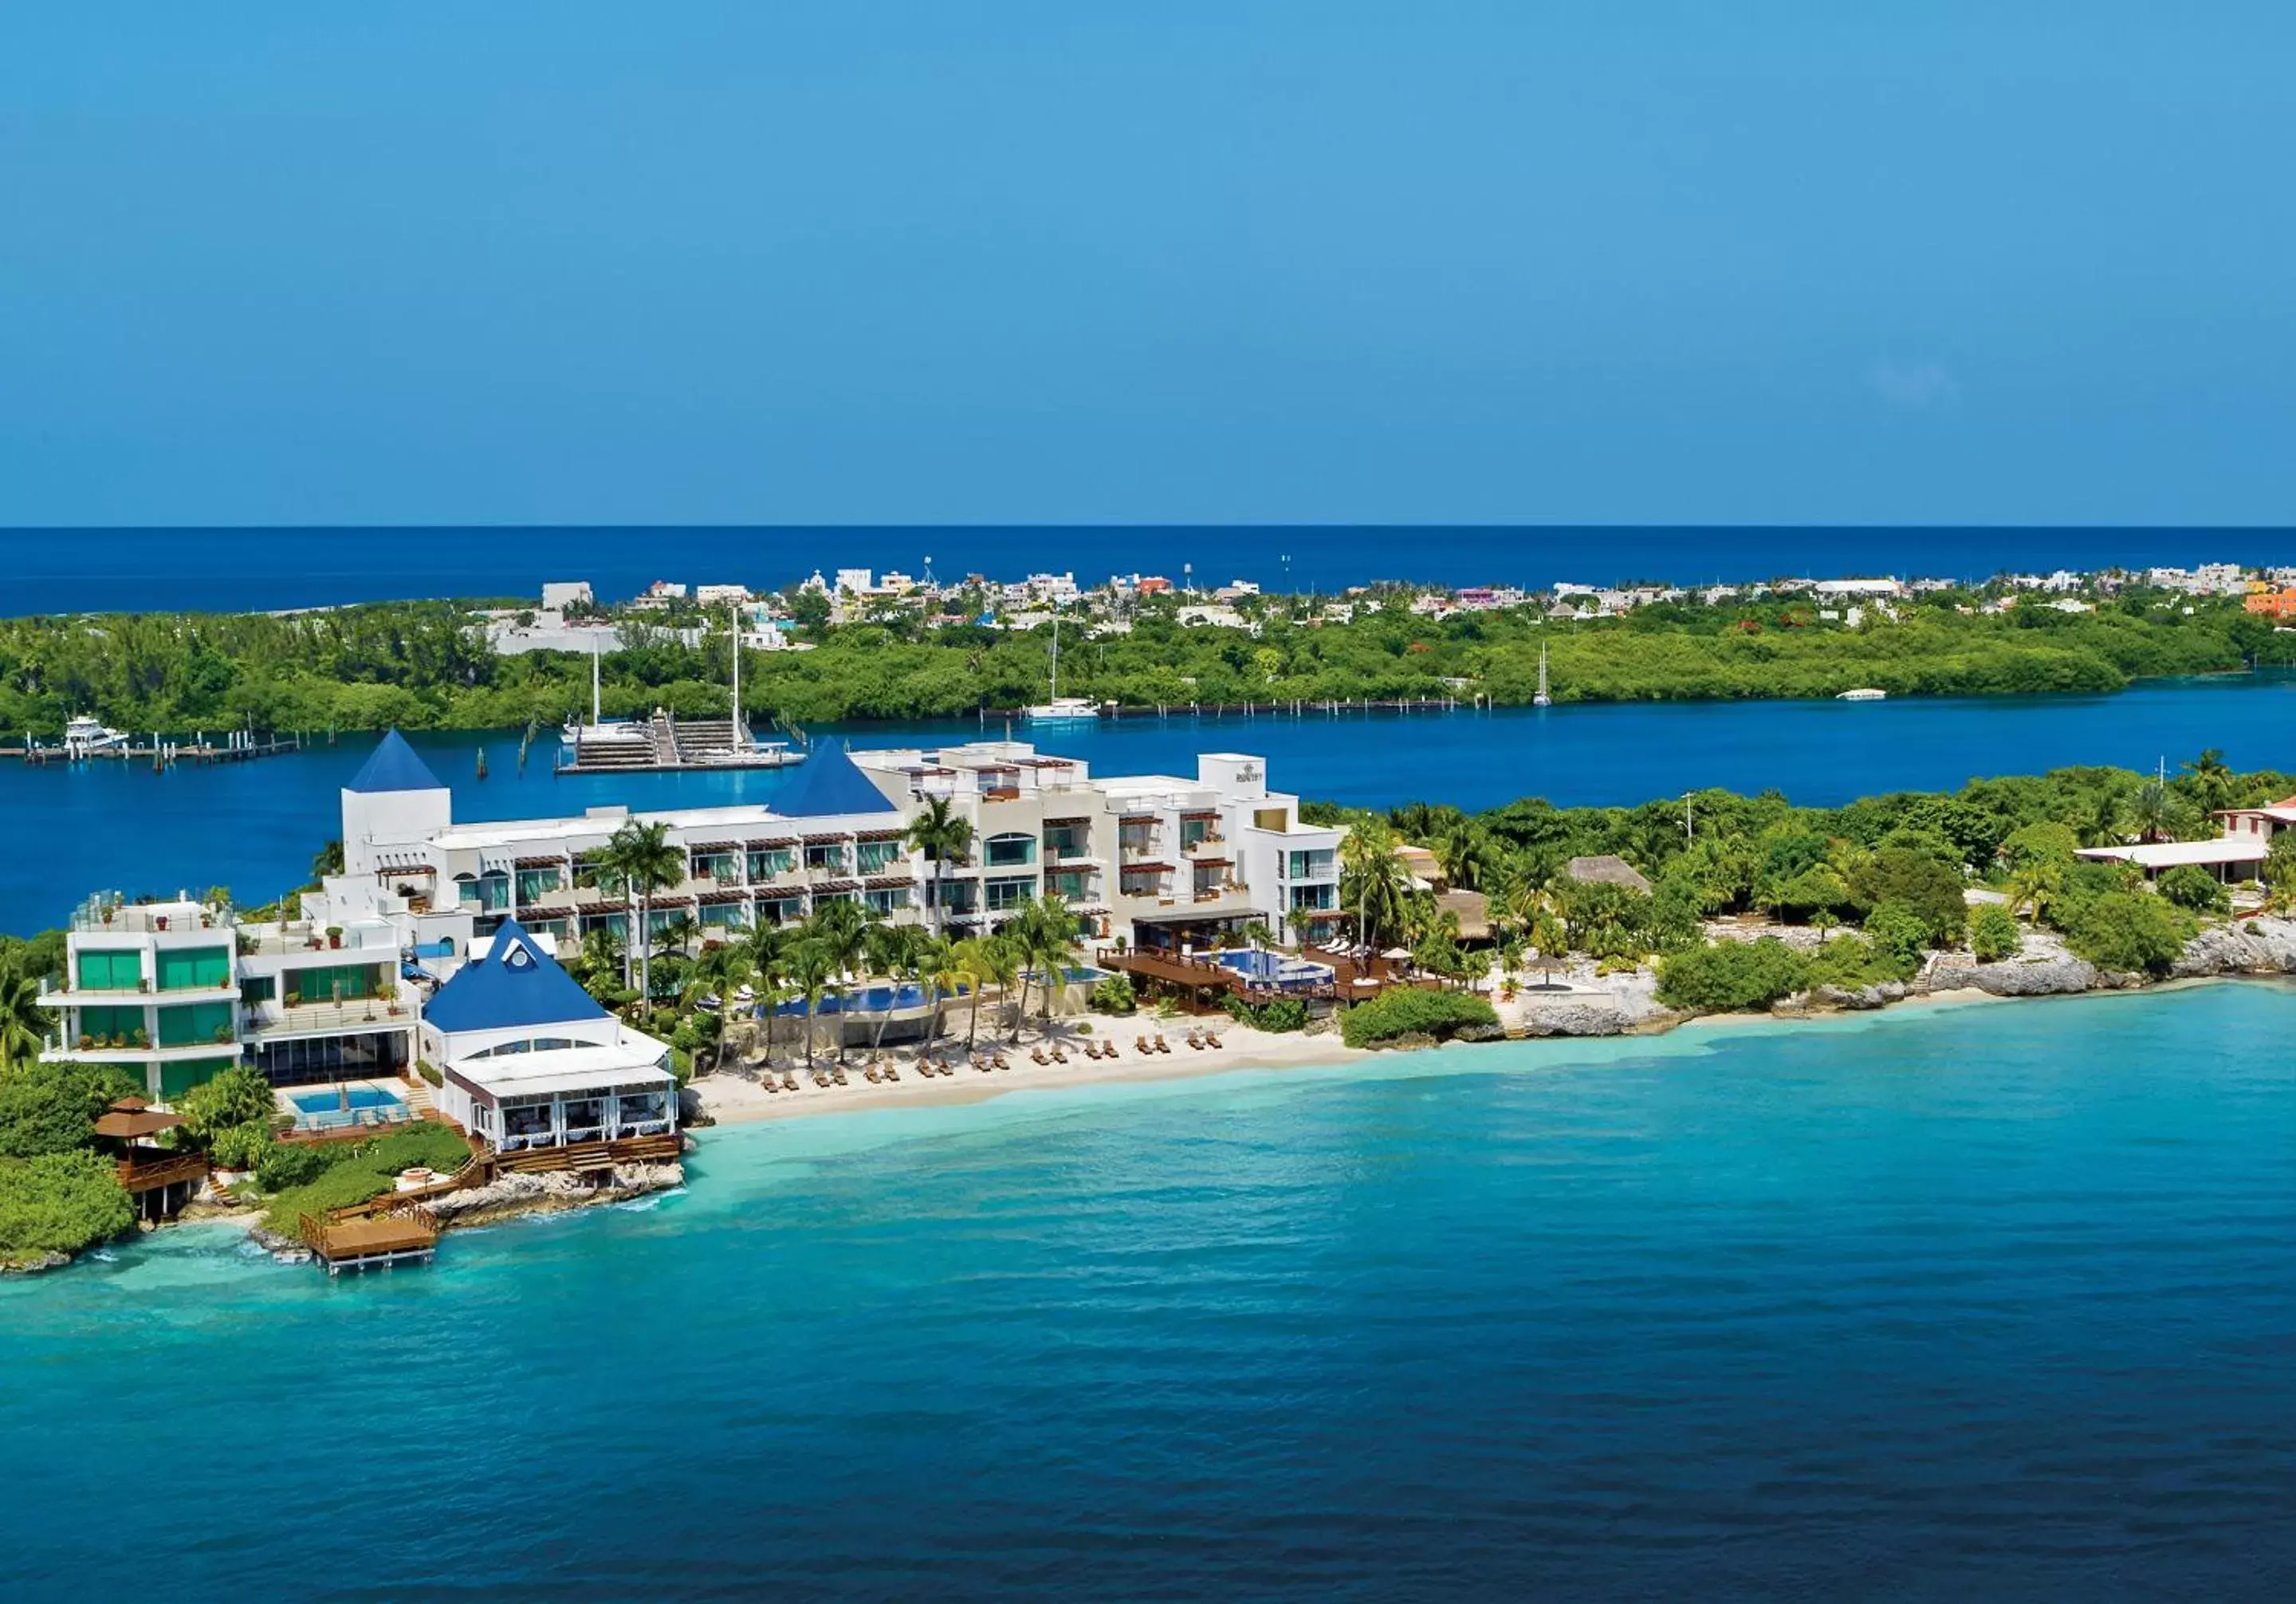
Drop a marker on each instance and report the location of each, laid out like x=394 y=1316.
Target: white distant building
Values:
x=559 y=595
x=1858 y=587
x=721 y=595
x=854 y=582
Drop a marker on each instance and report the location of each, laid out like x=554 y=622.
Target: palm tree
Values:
x=1044 y=935
x=2033 y=887
x=1464 y=853
x=23 y=1022
x=945 y=836
x=1372 y=880
x=938 y=970
x=2211 y=779
x=971 y=958
x=998 y=965
x=2153 y=810
x=812 y=975
x=894 y=952
x=639 y=857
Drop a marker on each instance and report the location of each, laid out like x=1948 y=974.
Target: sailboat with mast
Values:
x=1542 y=699
x=1061 y=709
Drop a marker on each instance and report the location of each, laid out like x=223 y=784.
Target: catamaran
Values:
x=1061 y=709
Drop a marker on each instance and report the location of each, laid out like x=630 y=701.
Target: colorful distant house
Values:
x=2270 y=603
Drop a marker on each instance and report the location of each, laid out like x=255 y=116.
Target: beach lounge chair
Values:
x=838 y=1075
x=871 y=1075
x=1038 y=1053
x=1210 y=1040
x=1140 y=1045
x=1161 y=1044
x=1195 y=1043
x=789 y=1081
x=892 y=1072
x=1059 y=1057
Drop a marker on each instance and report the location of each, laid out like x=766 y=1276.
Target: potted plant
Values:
x=139 y=1040
x=159 y=922
x=141 y=983
x=334 y=937
x=223 y=1036
x=86 y=1042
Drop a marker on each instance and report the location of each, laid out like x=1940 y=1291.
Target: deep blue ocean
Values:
x=241 y=569
x=1949 y=1304
x=253 y=827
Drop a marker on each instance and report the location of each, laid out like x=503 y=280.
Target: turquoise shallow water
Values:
x=1983 y=1302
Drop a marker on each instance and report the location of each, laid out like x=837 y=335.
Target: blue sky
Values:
x=1193 y=261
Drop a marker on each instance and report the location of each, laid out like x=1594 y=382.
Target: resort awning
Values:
x=540 y=863
x=1200 y=814
x=838 y=885
x=778 y=843
x=1213 y=863
x=716 y=898
x=886 y=882
x=835 y=837
x=714 y=846
x=1143 y=868
x=879 y=835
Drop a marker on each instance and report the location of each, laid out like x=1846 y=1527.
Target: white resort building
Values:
x=175 y=992
x=529 y=1060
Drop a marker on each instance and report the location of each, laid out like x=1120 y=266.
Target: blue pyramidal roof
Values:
x=394 y=768
x=830 y=782
x=516 y=983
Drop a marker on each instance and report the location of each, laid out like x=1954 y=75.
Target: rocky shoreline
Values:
x=1626 y=1003
x=548 y=1192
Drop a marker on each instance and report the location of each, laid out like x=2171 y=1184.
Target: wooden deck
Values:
x=663 y=1149
x=143 y=1175
x=410 y=1235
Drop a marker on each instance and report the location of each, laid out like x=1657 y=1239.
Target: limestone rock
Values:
x=1576 y=1020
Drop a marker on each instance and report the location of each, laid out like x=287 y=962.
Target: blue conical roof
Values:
x=829 y=783
x=516 y=983
x=394 y=768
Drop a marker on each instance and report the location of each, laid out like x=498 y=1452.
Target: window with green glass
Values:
x=765 y=865
x=534 y=884
x=347 y=982
x=189 y=1024
x=194 y=968
x=101 y=970
x=105 y=1026
x=258 y=989
x=175 y=1079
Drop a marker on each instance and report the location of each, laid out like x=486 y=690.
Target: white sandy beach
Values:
x=734 y=1099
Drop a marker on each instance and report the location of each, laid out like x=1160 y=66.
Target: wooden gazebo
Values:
x=159 y=1181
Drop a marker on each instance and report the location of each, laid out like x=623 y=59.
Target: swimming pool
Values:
x=325 y=1107
x=874 y=999
x=1265 y=967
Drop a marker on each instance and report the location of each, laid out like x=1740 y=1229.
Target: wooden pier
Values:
x=160 y=753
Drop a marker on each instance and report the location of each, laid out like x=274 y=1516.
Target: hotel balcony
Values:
x=271 y=1021
x=1212 y=849
x=57 y=1051
x=108 y=915
x=76 y=997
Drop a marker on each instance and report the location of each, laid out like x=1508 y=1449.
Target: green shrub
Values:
x=2192 y=888
x=293 y=1164
x=1851 y=961
x=1112 y=995
x=2130 y=932
x=1278 y=1014
x=241 y=1147
x=429 y=1071
x=1993 y=934
x=59 y=1203
x=1927 y=887
x=52 y=1108
x=1901 y=932
x=1400 y=1012
x=1733 y=976
x=238 y=1096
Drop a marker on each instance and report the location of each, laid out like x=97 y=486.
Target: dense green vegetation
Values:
x=1405 y=1013
x=427 y=664
x=57 y=1195
x=314 y=1177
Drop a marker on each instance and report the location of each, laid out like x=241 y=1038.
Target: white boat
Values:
x=758 y=754
x=1542 y=699
x=84 y=734
x=1061 y=709
x=1863 y=693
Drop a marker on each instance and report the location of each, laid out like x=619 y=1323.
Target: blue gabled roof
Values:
x=516 y=983
x=394 y=768
x=831 y=784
